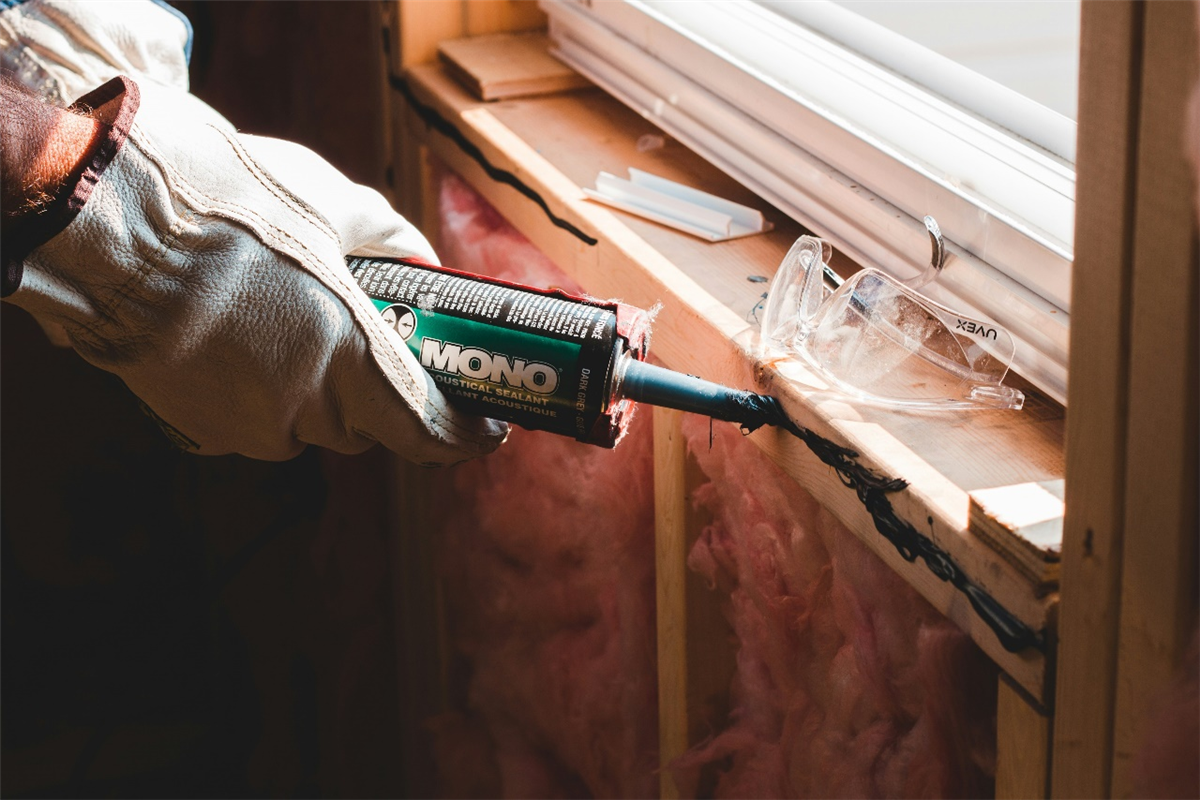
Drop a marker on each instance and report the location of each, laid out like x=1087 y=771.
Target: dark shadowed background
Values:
x=176 y=626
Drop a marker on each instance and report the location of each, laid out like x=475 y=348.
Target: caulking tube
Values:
x=550 y=361
x=542 y=359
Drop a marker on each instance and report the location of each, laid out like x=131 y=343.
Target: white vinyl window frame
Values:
x=851 y=150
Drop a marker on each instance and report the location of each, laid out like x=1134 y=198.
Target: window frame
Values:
x=868 y=198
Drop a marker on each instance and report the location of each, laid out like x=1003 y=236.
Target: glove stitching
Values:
x=446 y=426
x=280 y=191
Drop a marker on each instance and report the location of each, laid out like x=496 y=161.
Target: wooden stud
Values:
x=696 y=659
x=413 y=30
x=1158 y=584
x=711 y=648
x=416 y=27
x=670 y=538
x=1095 y=449
x=384 y=15
x=1022 y=746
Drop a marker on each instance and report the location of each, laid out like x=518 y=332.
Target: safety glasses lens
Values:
x=879 y=340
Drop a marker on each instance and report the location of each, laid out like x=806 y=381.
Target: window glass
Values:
x=986 y=55
x=1030 y=47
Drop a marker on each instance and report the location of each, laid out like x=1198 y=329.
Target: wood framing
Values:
x=695 y=655
x=670 y=539
x=1022 y=747
x=1093 y=524
x=412 y=31
x=702 y=329
x=1159 y=557
x=987 y=490
x=1129 y=559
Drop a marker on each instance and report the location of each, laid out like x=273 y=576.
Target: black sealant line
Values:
x=658 y=386
x=443 y=126
x=756 y=410
x=872 y=490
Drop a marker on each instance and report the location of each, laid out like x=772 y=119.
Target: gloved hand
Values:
x=206 y=268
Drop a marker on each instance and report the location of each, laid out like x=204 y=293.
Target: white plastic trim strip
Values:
x=681 y=207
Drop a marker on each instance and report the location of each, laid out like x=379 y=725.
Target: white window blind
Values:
x=852 y=149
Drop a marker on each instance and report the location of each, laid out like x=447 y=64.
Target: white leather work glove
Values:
x=62 y=49
x=207 y=270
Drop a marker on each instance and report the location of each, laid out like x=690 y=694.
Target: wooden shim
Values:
x=1023 y=523
x=506 y=65
x=1093 y=525
x=699 y=331
x=1022 y=747
x=1159 y=574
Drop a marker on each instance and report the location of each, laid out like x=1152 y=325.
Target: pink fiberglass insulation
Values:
x=551 y=592
x=847 y=683
x=548 y=561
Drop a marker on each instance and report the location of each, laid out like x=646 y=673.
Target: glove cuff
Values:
x=114 y=105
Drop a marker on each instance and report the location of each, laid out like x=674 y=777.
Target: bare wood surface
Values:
x=1093 y=525
x=1158 y=584
x=556 y=144
x=420 y=636
x=1023 y=523
x=670 y=539
x=422 y=24
x=504 y=65
x=490 y=16
x=1022 y=747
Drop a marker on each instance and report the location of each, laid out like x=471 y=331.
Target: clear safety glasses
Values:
x=876 y=339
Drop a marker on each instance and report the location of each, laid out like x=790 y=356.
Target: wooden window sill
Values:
x=982 y=486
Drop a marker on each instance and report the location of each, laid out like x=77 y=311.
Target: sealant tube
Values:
x=542 y=359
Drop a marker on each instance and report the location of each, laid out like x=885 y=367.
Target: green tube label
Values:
x=536 y=360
